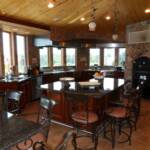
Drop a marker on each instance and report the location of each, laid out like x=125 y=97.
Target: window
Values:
x=6 y=51
x=21 y=53
x=43 y=57
x=70 y=56
x=122 y=57
x=94 y=56
x=57 y=59
x=109 y=56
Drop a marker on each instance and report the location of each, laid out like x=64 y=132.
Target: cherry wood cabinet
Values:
x=24 y=86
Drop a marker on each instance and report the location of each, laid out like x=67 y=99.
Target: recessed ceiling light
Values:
x=50 y=5
x=107 y=17
x=147 y=10
x=82 y=19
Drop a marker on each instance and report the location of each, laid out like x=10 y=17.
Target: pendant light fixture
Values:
x=92 y=23
x=116 y=21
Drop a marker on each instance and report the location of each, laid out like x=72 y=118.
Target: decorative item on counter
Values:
x=99 y=76
x=33 y=70
x=66 y=79
x=29 y=72
x=9 y=74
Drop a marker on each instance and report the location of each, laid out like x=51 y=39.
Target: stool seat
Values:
x=84 y=118
x=117 y=112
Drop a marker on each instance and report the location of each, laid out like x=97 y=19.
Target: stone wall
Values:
x=135 y=51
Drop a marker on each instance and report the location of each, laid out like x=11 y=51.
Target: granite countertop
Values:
x=19 y=78
x=11 y=126
x=58 y=71
x=65 y=71
x=108 y=84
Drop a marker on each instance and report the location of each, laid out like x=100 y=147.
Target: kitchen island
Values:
x=98 y=96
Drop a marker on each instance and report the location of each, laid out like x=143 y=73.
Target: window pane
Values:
x=70 y=56
x=94 y=56
x=43 y=57
x=21 y=53
x=109 y=57
x=57 y=57
x=122 y=56
x=6 y=51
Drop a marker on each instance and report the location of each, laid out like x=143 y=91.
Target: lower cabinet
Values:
x=59 y=109
x=24 y=86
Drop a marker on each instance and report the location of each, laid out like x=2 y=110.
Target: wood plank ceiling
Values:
x=67 y=13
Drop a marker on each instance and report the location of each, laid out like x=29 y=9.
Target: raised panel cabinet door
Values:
x=58 y=110
x=22 y=87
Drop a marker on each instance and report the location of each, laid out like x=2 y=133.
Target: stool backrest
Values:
x=13 y=99
x=45 y=114
x=77 y=102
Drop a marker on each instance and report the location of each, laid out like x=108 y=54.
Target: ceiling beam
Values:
x=24 y=22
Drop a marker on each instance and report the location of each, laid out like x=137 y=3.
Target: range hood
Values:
x=42 y=42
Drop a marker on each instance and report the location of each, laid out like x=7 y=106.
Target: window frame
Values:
x=61 y=55
x=100 y=53
x=10 y=43
x=114 y=56
x=118 y=54
x=25 y=52
x=47 y=57
x=75 y=57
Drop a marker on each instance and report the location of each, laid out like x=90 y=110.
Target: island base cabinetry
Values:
x=61 y=110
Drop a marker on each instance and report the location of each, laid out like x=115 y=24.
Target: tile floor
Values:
x=140 y=137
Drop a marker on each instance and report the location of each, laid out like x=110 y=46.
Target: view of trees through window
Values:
x=43 y=57
x=70 y=56
x=21 y=53
x=57 y=59
x=109 y=56
x=6 y=51
x=122 y=57
x=94 y=56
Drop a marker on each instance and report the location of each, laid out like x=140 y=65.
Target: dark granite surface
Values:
x=14 y=130
x=20 y=78
x=106 y=85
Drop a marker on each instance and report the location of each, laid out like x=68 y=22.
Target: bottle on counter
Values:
x=29 y=71
x=9 y=74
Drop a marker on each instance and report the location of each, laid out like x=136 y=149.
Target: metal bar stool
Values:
x=82 y=119
x=44 y=119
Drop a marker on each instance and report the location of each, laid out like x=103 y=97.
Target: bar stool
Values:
x=119 y=117
x=13 y=99
x=82 y=119
x=44 y=119
x=45 y=114
x=137 y=101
